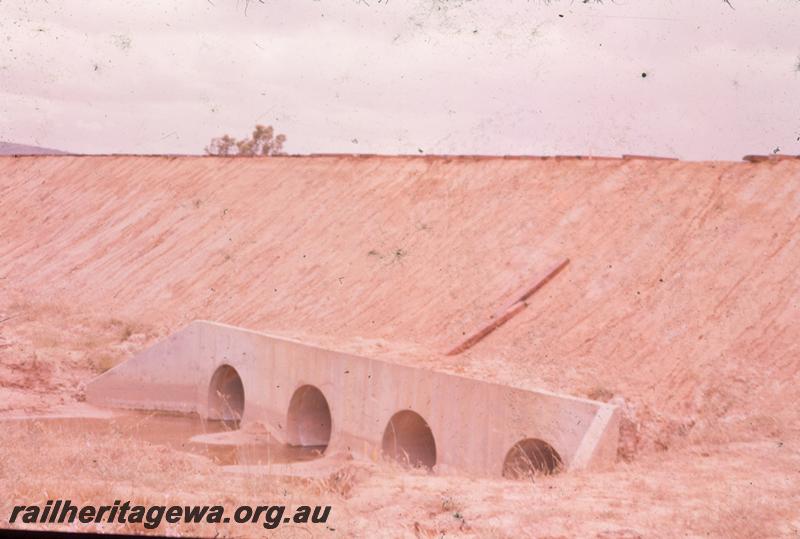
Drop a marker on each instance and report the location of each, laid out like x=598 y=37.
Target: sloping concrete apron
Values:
x=307 y=395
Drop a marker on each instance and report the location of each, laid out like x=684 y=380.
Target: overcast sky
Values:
x=400 y=76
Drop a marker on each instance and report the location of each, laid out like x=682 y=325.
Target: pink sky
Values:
x=363 y=76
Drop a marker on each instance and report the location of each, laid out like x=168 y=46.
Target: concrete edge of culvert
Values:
x=174 y=375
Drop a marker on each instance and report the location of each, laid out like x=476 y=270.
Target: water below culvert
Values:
x=188 y=433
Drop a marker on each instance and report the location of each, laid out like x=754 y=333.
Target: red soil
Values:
x=680 y=301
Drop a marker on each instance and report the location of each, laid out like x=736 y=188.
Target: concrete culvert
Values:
x=531 y=457
x=226 y=396
x=308 y=421
x=409 y=439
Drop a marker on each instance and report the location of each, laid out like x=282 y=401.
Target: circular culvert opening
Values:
x=531 y=457
x=226 y=396
x=308 y=421
x=409 y=440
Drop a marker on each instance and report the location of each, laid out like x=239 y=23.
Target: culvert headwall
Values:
x=308 y=395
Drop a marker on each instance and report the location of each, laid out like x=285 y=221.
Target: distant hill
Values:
x=10 y=148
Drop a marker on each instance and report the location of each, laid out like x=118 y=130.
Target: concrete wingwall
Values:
x=474 y=423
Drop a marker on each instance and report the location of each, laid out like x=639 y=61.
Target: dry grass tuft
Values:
x=600 y=394
x=342 y=481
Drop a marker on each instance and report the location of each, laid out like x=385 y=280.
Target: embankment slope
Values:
x=682 y=295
